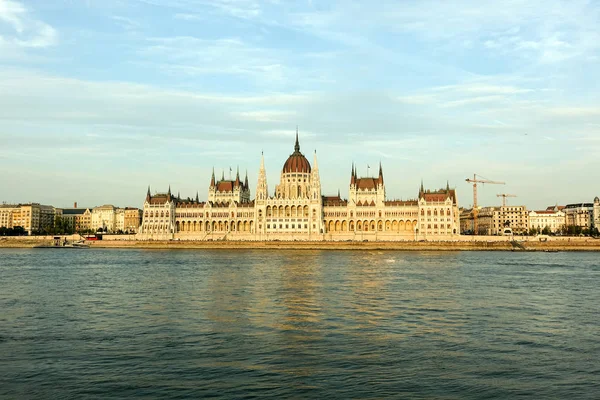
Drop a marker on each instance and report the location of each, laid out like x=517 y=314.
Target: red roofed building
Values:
x=297 y=210
x=551 y=219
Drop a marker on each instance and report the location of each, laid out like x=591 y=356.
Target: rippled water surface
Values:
x=93 y=323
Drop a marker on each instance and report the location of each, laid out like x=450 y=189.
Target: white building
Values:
x=297 y=210
x=552 y=218
x=104 y=217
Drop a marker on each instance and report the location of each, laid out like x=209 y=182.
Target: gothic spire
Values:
x=197 y=198
x=380 y=174
x=222 y=175
x=447 y=186
x=297 y=145
x=353 y=175
x=422 y=190
x=212 y=179
x=148 y=195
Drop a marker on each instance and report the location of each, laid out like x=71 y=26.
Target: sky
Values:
x=101 y=98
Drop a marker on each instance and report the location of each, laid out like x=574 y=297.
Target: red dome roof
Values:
x=296 y=162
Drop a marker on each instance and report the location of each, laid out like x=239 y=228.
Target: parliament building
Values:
x=297 y=210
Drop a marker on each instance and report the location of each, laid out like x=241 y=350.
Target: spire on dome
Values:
x=297 y=144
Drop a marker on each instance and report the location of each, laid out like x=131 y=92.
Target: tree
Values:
x=546 y=230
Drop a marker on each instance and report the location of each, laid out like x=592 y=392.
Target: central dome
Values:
x=296 y=162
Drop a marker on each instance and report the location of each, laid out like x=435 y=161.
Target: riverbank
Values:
x=466 y=243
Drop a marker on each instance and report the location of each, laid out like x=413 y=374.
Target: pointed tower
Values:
x=380 y=187
x=212 y=189
x=197 y=197
x=352 y=176
x=315 y=180
x=447 y=186
x=237 y=177
x=246 y=186
x=262 y=191
x=169 y=197
x=222 y=175
x=421 y=190
x=148 y=195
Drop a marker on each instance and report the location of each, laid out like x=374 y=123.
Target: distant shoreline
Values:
x=463 y=244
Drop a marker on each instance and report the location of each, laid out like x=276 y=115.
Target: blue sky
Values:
x=101 y=98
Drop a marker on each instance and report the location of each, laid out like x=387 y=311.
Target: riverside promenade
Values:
x=461 y=243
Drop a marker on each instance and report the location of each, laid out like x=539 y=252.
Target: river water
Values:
x=89 y=323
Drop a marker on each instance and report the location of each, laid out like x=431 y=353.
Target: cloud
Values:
x=575 y=112
x=24 y=30
x=126 y=23
x=226 y=56
x=472 y=100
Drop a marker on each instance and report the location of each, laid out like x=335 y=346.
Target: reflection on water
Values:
x=298 y=324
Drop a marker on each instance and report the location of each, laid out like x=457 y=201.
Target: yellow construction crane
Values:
x=504 y=196
x=478 y=179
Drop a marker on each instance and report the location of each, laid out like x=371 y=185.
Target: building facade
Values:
x=584 y=216
x=7 y=212
x=496 y=220
x=552 y=219
x=33 y=217
x=111 y=219
x=78 y=218
x=297 y=210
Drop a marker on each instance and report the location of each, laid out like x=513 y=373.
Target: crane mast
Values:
x=479 y=179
